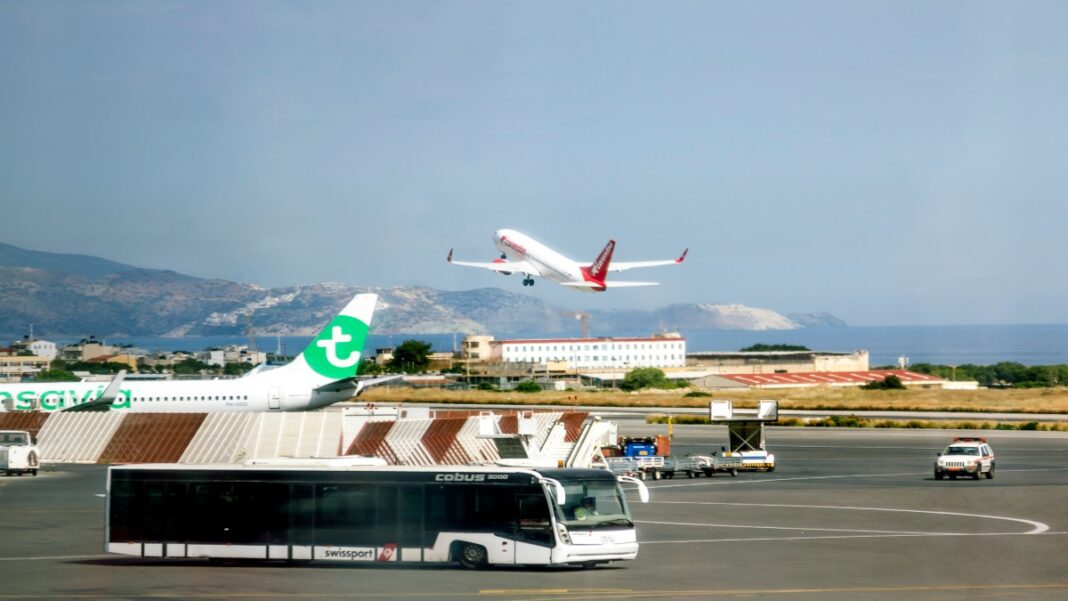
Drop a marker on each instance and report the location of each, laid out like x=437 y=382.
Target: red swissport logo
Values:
x=387 y=552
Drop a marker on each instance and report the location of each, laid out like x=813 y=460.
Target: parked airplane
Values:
x=324 y=373
x=522 y=254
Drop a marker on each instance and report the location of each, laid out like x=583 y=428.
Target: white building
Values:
x=40 y=348
x=597 y=353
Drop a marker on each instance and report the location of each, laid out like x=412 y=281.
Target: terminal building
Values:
x=778 y=362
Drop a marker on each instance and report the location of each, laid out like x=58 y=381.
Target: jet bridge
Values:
x=746 y=448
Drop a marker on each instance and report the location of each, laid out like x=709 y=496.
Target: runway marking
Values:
x=571 y=594
x=1037 y=527
x=762 y=480
x=716 y=481
x=692 y=593
x=778 y=527
x=777 y=539
x=554 y=591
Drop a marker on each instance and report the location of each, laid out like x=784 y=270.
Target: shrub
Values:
x=528 y=386
x=890 y=382
x=645 y=377
x=696 y=393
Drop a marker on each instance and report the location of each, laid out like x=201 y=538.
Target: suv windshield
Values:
x=14 y=438
x=962 y=451
x=593 y=504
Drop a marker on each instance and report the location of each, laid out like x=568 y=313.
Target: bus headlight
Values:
x=564 y=536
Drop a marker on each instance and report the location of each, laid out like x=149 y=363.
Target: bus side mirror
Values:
x=558 y=490
x=643 y=490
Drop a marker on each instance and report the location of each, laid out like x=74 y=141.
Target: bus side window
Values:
x=302 y=514
x=345 y=514
x=126 y=513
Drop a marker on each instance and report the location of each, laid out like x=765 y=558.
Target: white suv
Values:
x=965 y=457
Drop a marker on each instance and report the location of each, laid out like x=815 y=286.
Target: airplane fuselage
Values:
x=517 y=246
x=258 y=392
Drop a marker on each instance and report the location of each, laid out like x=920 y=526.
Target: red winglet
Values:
x=682 y=257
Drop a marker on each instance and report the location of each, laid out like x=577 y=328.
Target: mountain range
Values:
x=78 y=295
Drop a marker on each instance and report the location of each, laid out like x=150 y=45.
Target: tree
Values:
x=411 y=356
x=368 y=367
x=55 y=375
x=237 y=369
x=761 y=347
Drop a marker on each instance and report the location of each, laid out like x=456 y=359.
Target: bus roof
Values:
x=565 y=473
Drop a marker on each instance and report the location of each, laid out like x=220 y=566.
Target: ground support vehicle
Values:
x=690 y=466
x=642 y=468
x=971 y=457
x=746 y=450
x=474 y=515
x=18 y=453
x=725 y=464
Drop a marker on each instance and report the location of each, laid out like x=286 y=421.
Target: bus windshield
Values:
x=593 y=504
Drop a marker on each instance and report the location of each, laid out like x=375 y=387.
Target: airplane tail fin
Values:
x=599 y=268
x=335 y=353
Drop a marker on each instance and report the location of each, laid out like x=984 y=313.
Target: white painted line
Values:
x=796 y=538
x=56 y=557
x=1037 y=527
x=692 y=524
x=716 y=481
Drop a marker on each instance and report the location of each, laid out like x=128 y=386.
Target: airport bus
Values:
x=475 y=516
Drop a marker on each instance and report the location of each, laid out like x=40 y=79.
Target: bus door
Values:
x=410 y=524
x=301 y=521
x=274 y=399
x=163 y=519
x=534 y=529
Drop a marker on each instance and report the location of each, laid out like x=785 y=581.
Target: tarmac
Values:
x=847 y=515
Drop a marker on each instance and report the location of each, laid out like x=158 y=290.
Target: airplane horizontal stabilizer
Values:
x=356 y=385
x=617 y=284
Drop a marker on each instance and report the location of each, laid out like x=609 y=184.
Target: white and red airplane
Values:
x=522 y=254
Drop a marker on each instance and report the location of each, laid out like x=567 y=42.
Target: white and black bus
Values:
x=476 y=516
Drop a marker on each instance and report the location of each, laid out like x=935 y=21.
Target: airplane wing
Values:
x=104 y=401
x=500 y=266
x=608 y=284
x=623 y=265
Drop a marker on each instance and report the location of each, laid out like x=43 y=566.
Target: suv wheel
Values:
x=990 y=474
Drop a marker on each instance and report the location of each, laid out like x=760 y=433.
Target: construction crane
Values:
x=248 y=332
x=583 y=319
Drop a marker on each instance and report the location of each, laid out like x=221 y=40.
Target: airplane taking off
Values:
x=522 y=254
x=324 y=373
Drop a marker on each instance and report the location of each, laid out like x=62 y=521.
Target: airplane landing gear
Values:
x=528 y=281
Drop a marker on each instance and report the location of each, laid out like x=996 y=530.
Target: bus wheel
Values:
x=472 y=556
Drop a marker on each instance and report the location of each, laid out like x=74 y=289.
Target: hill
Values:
x=77 y=295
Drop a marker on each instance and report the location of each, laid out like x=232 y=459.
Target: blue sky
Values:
x=889 y=162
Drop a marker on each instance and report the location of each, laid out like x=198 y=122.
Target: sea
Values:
x=947 y=345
